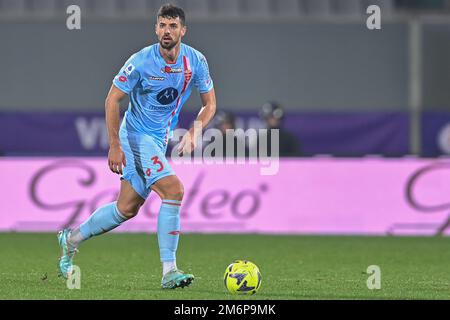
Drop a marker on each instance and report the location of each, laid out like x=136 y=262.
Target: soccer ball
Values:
x=242 y=277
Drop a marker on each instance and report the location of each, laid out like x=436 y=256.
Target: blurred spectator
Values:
x=225 y=120
x=273 y=114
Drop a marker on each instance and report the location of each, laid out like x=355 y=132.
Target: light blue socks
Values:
x=102 y=220
x=108 y=217
x=168 y=229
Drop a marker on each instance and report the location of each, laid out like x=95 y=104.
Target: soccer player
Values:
x=158 y=80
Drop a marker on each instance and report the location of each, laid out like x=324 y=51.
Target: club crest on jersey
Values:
x=166 y=96
x=168 y=69
x=129 y=69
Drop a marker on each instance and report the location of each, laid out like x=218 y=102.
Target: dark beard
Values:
x=167 y=47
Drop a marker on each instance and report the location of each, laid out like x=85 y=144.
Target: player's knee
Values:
x=175 y=192
x=128 y=210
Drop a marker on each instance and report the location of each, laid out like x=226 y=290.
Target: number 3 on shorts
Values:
x=156 y=161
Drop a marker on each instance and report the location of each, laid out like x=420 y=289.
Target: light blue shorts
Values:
x=146 y=161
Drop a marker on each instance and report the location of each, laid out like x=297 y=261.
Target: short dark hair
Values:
x=171 y=11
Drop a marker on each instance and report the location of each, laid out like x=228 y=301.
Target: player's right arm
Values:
x=123 y=84
x=116 y=157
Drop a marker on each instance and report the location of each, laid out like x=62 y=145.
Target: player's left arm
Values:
x=208 y=108
x=189 y=141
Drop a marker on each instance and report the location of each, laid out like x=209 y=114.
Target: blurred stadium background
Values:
x=347 y=91
x=369 y=110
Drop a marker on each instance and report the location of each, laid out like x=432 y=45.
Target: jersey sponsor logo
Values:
x=168 y=69
x=166 y=96
x=129 y=69
x=162 y=108
x=123 y=79
x=157 y=78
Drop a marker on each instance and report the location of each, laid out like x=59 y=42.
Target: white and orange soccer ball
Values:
x=242 y=277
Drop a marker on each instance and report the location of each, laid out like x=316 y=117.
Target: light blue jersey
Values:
x=158 y=90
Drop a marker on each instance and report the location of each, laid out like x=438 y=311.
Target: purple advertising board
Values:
x=435 y=134
x=368 y=196
x=84 y=134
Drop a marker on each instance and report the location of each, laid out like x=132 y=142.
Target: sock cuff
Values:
x=118 y=213
x=175 y=203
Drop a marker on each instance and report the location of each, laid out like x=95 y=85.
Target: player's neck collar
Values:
x=177 y=60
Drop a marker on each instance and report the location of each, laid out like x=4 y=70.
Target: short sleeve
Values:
x=202 y=78
x=128 y=76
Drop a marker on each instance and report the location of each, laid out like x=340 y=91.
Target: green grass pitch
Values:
x=126 y=266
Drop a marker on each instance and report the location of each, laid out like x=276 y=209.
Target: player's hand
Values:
x=188 y=143
x=116 y=159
